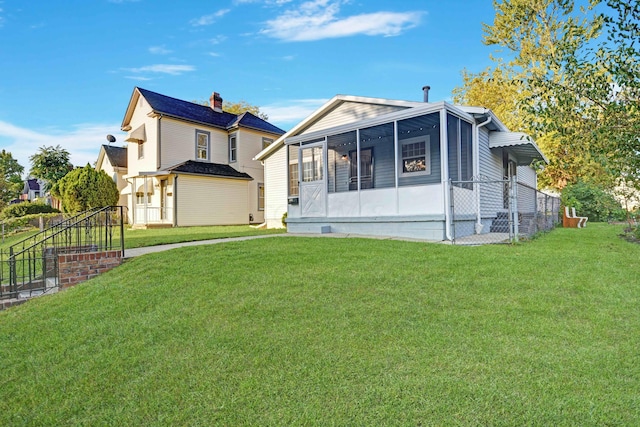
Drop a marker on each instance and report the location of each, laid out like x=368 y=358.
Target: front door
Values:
x=312 y=181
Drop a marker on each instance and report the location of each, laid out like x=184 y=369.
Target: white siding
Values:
x=108 y=168
x=349 y=112
x=211 y=201
x=178 y=141
x=275 y=180
x=149 y=161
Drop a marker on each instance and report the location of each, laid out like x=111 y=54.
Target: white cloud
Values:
x=286 y=114
x=217 y=39
x=159 y=50
x=209 y=19
x=173 y=69
x=82 y=141
x=319 y=19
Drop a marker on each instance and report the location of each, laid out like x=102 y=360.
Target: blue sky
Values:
x=68 y=68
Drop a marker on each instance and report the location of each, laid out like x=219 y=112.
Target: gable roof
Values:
x=31 y=185
x=184 y=110
x=117 y=155
x=328 y=107
x=211 y=169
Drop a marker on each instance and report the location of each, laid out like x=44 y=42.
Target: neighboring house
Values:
x=32 y=190
x=191 y=164
x=113 y=160
x=383 y=167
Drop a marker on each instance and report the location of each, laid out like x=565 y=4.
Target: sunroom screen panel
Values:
x=426 y=125
x=380 y=140
x=339 y=161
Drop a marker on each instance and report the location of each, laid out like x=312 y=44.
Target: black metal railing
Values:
x=30 y=267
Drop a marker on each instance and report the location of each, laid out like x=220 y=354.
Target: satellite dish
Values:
x=111 y=138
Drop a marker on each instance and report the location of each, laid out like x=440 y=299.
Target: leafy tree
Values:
x=85 y=188
x=539 y=88
x=237 y=108
x=50 y=164
x=242 y=106
x=10 y=177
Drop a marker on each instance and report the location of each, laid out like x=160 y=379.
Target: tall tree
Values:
x=10 y=177
x=542 y=39
x=50 y=164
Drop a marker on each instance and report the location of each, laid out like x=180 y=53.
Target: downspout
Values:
x=476 y=168
x=444 y=172
x=175 y=200
x=159 y=149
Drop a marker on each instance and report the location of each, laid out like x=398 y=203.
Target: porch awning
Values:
x=140 y=188
x=139 y=135
x=520 y=144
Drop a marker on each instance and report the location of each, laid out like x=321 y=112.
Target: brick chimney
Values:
x=216 y=102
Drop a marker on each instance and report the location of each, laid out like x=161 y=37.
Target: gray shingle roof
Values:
x=210 y=169
x=117 y=155
x=205 y=114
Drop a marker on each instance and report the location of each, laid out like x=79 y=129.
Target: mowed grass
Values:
x=161 y=236
x=323 y=331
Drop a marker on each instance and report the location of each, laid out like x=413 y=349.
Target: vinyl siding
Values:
x=149 y=162
x=349 y=112
x=275 y=177
x=179 y=143
x=211 y=201
x=490 y=160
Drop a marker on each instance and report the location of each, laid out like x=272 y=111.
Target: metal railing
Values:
x=30 y=267
x=499 y=211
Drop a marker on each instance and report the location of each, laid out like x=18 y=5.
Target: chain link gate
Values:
x=499 y=211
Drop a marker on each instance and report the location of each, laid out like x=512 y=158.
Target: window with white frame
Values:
x=140 y=198
x=233 y=148
x=260 y=196
x=141 y=150
x=415 y=156
x=202 y=145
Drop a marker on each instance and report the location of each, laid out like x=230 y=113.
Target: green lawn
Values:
x=322 y=331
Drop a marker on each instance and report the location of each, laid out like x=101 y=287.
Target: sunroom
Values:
x=382 y=176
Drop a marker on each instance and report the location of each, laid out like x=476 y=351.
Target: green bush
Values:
x=26 y=208
x=29 y=221
x=86 y=188
x=592 y=201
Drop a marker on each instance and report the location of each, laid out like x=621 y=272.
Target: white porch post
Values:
x=444 y=172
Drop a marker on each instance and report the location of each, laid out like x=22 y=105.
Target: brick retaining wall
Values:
x=78 y=268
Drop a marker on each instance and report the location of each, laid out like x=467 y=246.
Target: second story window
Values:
x=233 y=149
x=202 y=145
x=141 y=150
x=266 y=142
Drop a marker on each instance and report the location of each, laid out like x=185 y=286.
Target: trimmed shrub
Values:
x=26 y=208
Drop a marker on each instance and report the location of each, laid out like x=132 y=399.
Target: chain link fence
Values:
x=499 y=211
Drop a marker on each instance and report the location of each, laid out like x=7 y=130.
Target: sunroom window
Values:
x=415 y=152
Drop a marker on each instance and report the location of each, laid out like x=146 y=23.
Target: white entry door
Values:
x=312 y=182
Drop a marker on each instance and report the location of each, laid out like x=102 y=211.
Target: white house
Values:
x=191 y=164
x=396 y=168
x=113 y=161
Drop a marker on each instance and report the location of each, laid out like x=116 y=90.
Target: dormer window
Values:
x=202 y=145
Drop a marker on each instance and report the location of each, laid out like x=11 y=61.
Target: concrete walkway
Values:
x=130 y=253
